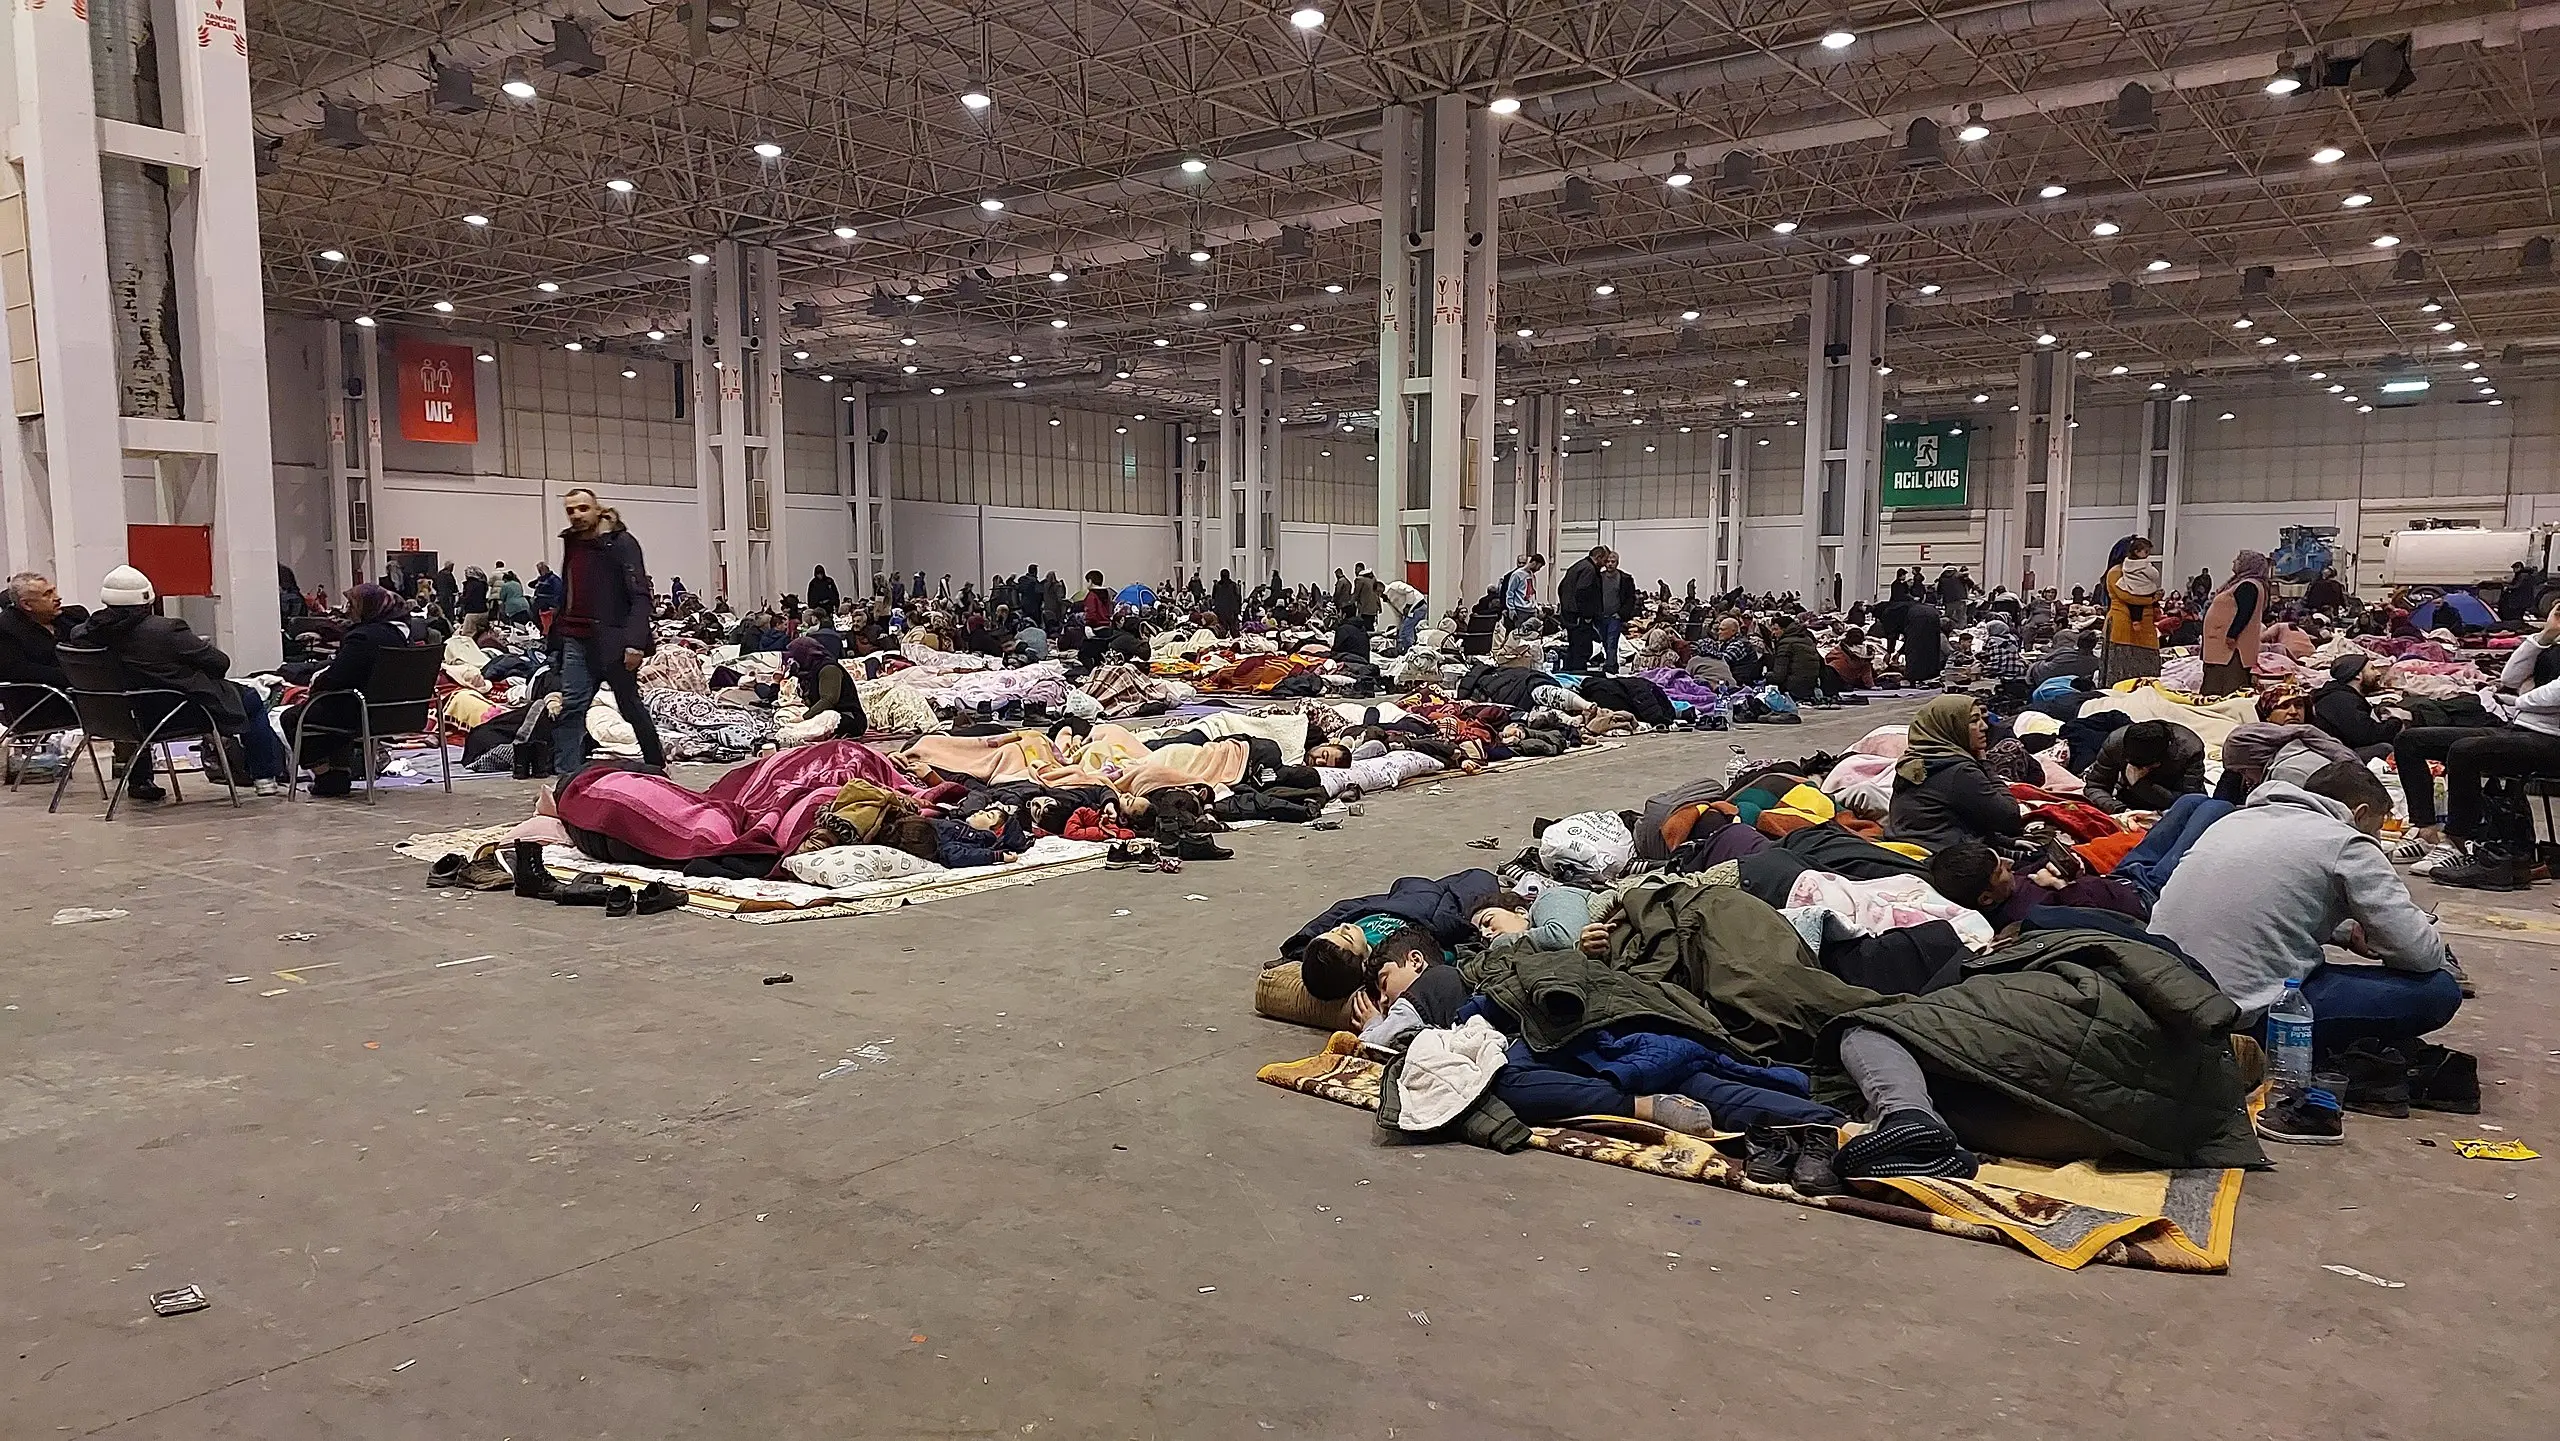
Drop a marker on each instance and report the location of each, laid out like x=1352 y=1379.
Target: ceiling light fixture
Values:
x=657 y=335
x=620 y=186
x=1504 y=105
x=2047 y=338
x=1058 y=323
x=1195 y=166
x=2053 y=190
x=907 y=339
x=574 y=345
x=365 y=320
x=629 y=374
x=2156 y=266
x=2356 y=200
x=1931 y=288
x=1306 y=17
x=485 y=358
x=2292 y=357
x=2242 y=323
x=2084 y=355
x=2442 y=326
x=1859 y=257
x=334 y=256
x=2327 y=155
x=1974 y=131
x=1839 y=37
x=799 y=355
x=699 y=258
x=2106 y=228
x=475 y=220
x=516 y=84
x=2266 y=340
x=975 y=96
x=1688 y=315
x=2119 y=369
x=1604 y=288
x=767 y=150
x=1199 y=305
x=991 y=205
x=1784 y=227
x=1679 y=176
x=547 y=287
x=2385 y=242
x=444 y=307
x=1333 y=288
x=1524 y=332
x=845 y=232
x=1161 y=341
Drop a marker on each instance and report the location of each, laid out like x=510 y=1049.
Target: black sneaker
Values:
x=1120 y=857
x=1200 y=846
x=619 y=900
x=2310 y=1118
x=657 y=899
x=2484 y=870
x=2377 y=1079
x=2444 y=1079
x=1907 y=1143
x=1769 y=1155
x=145 y=792
x=447 y=871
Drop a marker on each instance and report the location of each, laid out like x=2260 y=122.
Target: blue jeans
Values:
x=260 y=746
x=1407 y=627
x=1542 y=1095
x=2147 y=866
x=585 y=667
x=1611 y=627
x=2357 y=1003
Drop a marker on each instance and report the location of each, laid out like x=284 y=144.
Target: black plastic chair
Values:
x=33 y=713
x=112 y=709
x=400 y=700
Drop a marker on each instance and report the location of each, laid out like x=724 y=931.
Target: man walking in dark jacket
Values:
x=601 y=633
x=1578 y=603
x=823 y=594
x=1227 y=599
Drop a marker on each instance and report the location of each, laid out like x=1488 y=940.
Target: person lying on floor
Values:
x=2260 y=896
x=991 y=835
x=2145 y=766
x=1975 y=875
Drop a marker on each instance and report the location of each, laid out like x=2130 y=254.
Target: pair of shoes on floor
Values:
x=470 y=873
x=1124 y=854
x=1907 y=1143
x=2307 y=1115
x=617 y=901
x=2387 y=1081
x=2485 y=868
x=1805 y=1157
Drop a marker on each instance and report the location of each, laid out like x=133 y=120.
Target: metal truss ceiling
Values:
x=1097 y=103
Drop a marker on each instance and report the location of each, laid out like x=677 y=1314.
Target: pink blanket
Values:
x=763 y=809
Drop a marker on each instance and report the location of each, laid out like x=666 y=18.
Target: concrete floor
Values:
x=593 y=1185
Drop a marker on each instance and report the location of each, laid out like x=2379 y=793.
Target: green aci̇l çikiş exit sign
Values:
x=1924 y=463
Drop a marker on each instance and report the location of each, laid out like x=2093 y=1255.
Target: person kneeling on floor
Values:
x=2260 y=896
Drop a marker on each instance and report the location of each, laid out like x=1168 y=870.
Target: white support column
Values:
x=67 y=512
x=1187 y=502
x=1725 y=495
x=1266 y=510
x=2042 y=452
x=365 y=547
x=1844 y=435
x=1396 y=302
x=737 y=426
x=346 y=567
x=1438 y=362
x=1537 y=494
x=214 y=234
x=1232 y=478
x=1245 y=411
x=2164 y=478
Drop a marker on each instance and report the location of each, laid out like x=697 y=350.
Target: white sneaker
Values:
x=2436 y=858
x=2407 y=851
x=266 y=788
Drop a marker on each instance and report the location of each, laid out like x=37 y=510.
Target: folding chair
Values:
x=400 y=700
x=112 y=709
x=33 y=713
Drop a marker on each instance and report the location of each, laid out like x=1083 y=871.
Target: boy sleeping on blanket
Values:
x=1399 y=981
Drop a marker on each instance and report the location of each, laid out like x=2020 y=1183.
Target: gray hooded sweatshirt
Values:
x=2265 y=887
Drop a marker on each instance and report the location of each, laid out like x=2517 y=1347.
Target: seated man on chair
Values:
x=161 y=652
x=331 y=728
x=33 y=620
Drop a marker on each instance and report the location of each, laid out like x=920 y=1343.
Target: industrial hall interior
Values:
x=797 y=718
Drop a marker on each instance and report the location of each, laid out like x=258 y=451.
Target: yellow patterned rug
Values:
x=2072 y=1215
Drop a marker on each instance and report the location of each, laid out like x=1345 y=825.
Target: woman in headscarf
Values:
x=826 y=687
x=1942 y=794
x=377 y=619
x=2132 y=591
x=2232 y=624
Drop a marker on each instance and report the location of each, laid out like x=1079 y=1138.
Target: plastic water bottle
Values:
x=2289 y=1037
x=1734 y=768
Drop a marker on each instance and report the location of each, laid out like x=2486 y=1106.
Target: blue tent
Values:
x=1137 y=597
x=2454 y=610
